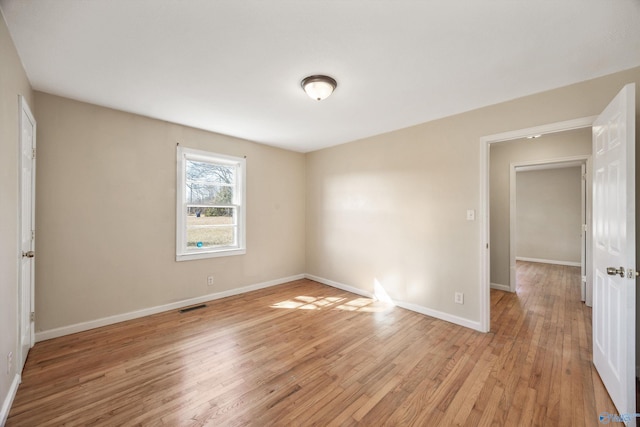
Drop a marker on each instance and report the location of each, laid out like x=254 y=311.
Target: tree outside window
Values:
x=211 y=204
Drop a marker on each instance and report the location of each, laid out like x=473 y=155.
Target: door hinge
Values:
x=584 y=227
x=33 y=234
x=32 y=317
x=33 y=152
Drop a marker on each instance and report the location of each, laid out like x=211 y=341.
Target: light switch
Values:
x=471 y=215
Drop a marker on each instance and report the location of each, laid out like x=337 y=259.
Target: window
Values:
x=210 y=205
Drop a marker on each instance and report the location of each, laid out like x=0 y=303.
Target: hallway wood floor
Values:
x=307 y=354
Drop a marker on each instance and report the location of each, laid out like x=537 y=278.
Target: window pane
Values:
x=210 y=172
x=206 y=194
x=199 y=216
x=210 y=227
x=202 y=238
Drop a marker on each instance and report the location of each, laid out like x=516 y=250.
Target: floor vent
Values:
x=195 y=307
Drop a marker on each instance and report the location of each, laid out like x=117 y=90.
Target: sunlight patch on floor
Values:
x=308 y=303
x=361 y=304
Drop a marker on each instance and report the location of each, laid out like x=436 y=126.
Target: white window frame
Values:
x=184 y=253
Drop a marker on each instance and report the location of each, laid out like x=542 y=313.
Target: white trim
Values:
x=583 y=232
x=210 y=254
x=485 y=141
x=549 y=261
x=512 y=227
x=85 y=326
x=500 y=287
x=339 y=286
x=485 y=239
x=239 y=202
x=408 y=306
x=580 y=123
x=8 y=400
x=461 y=321
x=539 y=165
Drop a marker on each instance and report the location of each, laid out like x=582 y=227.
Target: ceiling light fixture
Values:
x=318 y=87
x=534 y=136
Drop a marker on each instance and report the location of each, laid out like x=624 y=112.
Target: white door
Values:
x=614 y=291
x=27 y=229
x=583 y=235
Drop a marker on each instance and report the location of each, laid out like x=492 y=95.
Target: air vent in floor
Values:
x=195 y=307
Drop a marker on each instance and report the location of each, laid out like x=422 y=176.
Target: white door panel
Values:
x=27 y=226
x=614 y=247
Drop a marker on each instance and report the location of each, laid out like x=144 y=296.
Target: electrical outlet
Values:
x=459 y=298
x=9 y=362
x=209 y=280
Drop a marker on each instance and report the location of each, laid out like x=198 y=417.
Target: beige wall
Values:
x=549 y=214
x=106 y=214
x=393 y=207
x=551 y=146
x=389 y=208
x=13 y=82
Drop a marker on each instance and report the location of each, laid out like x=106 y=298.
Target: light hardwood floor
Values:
x=307 y=354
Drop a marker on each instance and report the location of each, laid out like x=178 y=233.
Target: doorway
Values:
x=614 y=304
x=488 y=238
x=549 y=212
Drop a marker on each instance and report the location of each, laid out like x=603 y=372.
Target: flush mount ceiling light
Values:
x=318 y=87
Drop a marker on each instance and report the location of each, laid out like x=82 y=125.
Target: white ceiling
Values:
x=235 y=66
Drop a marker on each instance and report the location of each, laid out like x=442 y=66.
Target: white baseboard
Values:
x=92 y=324
x=85 y=326
x=500 y=287
x=339 y=286
x=409 y=306
x=549 y=261
x=8 y=400
x=461 y=321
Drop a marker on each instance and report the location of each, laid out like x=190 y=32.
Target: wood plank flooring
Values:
x=305 y=354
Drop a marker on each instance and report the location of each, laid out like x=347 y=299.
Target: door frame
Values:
x=560 y=162
x=485 y=142
x=24 y=109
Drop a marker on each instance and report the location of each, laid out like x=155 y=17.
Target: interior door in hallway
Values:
x=27 y=229
x=614 y=274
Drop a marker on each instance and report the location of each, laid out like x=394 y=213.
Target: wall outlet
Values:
x=471 y=215
x=9 y=362
x=209 y=280
x=459 y=298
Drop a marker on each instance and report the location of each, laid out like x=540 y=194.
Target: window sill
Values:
x=210 y=254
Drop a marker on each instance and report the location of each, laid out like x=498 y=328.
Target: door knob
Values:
x=29 y=254
x=612 y=271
